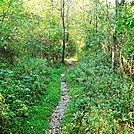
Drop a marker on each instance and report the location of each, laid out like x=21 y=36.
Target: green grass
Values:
x=37 y=122
x=28 y=94
x=74 y=90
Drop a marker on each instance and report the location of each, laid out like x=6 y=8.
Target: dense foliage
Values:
x=29 y=43
x=33 y=34
x=102 y=100
x=21 y=87
x=25 y=31
x=22 y=91
x=101 y=85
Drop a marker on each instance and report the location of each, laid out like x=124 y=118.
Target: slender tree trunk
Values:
x=67 y=24
x=114 y=39
x=114 y=51
x=96 y=17
x=107 y=19
x=121 y=62
x=64 y=29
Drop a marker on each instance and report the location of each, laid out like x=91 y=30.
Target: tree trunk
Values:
x=121 y=63
x=114 y=52
x=114 y=39
x=96 y=17
x=64 y=29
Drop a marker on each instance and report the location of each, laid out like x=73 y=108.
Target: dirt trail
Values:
x=58 y=114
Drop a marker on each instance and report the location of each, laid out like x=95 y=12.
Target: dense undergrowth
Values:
x=28 y=93
x=102 y=99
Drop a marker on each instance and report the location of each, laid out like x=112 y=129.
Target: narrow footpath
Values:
x=58 y=114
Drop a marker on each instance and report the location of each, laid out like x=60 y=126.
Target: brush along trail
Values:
x=58 y=114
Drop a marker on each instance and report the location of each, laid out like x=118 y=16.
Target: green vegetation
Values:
x=37 y=35
x=37 y=122
x=102 y=100
x=28 y=91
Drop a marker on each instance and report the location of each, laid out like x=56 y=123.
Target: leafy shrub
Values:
x=102 y=100
x=21 y=87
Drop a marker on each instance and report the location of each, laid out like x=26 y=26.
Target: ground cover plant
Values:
x=37 y=122
x=37 y=35
x=102 y=100
x=25 y=92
